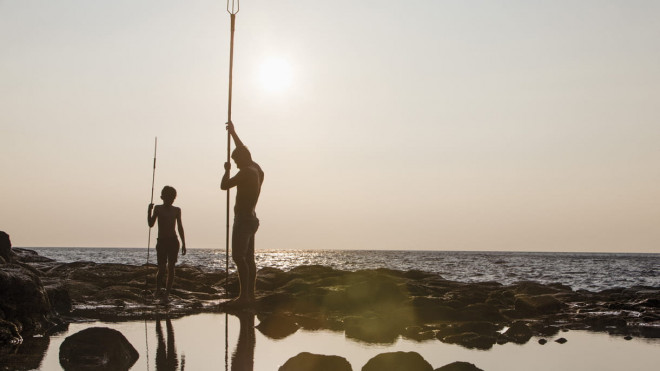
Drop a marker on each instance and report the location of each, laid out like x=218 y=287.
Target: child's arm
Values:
x=151 y=219
x=183 y=237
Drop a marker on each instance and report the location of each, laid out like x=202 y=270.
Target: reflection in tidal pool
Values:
x=203 y=342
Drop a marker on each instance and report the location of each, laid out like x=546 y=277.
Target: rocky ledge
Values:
x=376 y=306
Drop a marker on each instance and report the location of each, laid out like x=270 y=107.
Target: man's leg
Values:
x=251 y=269
x=239 y=252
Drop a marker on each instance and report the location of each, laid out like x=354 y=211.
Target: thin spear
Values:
x=153 y=179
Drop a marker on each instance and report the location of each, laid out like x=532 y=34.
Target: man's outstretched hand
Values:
x=227 y=166
x=230 y=127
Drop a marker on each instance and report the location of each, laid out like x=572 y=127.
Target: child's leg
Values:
x=160 y=275
x=170 y=277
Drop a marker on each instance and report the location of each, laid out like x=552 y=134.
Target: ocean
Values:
x=588 y=271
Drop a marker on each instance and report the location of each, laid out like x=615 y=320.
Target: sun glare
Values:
x=275 y=74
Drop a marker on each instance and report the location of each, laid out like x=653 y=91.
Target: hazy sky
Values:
x=426 y=124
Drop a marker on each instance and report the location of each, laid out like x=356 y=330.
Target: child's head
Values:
x=168 y=194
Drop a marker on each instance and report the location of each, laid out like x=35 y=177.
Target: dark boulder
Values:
x=316 y=362
x=277 y=326
x=398 y=361
x=27 y=356
x=5 y=248
x=471 y=340
x=538 y=305
x=459 y=366
x=518 y=333
x=379 y=330
x=97 y=348
x=24 y=301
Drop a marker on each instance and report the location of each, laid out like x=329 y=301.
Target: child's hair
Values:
x=168 y=193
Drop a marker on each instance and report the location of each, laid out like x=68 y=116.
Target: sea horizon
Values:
x=375 y=250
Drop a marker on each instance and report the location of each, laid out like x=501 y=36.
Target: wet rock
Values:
x=518 y=333
x=538 y=305
x=398 y=361
x=5 y=248
x=24 y=304
x=26 y=356
x=479 y=327
x=561 y=340
x=316 y=362
x=471 y=340
x=97 y=348
x=419 y=333
x=628 y=337
x=544 y=329
x=277 y=326
x=59 y=298
x=434 y=309
x=542 y=341
x=373 y=329
x=459 y=366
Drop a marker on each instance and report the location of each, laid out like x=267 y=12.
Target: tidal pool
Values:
x=223 y=342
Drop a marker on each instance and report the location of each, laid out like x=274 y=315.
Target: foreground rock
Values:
x=398 y=361
x=25 y=307
x=97 y=348
x=316 y=362
x=459 y=366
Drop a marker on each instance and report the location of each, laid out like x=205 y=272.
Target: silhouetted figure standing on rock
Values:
x=167 y=247
x=248 y=183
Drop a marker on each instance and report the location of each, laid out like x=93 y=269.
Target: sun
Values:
x=275 y=74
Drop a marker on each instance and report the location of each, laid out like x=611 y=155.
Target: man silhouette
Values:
x=248 y=182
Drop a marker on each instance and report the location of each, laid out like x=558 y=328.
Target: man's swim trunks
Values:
x=243 y=236
x=167 y=249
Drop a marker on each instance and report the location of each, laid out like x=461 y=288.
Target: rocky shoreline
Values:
x=370 y=305
x=39 y=296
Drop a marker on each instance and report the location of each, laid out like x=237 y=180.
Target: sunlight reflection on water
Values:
x=591 y=271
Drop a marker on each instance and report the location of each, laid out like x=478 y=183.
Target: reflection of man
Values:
x=243 y=357
x=248 y=182
x=166 y=357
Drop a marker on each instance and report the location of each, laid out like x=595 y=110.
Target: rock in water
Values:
x=519 y=332
x=5 y=248
x=398 y=361
x=24 y=304
x=97 y=348
x=316 y=362
x=459 y=366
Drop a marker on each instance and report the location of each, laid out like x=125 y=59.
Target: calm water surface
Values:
x=198 y=342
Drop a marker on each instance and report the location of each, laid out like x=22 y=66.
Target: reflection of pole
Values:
x=232 y=10
x=226 y=343
x=146 y=340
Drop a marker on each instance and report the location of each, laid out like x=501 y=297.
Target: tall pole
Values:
x=233 y=7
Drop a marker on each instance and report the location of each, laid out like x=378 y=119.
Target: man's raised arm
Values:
x=232 y=132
